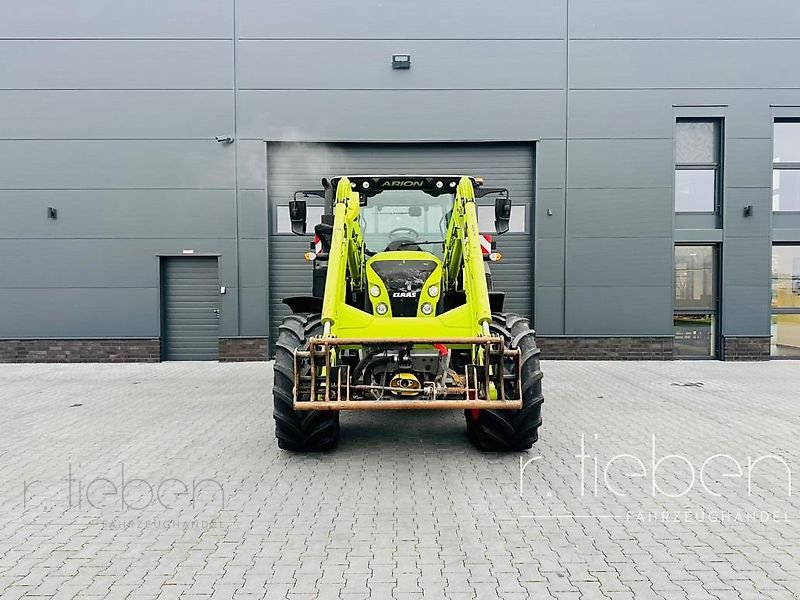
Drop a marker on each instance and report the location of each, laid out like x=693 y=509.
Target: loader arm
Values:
x=462 y=254
x=346 y=254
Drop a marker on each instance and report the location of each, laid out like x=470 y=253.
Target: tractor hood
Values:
x=404 y=283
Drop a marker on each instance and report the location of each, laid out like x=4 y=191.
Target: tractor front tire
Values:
x=511 y=430
x=299 y=430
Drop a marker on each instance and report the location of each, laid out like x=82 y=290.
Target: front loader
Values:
x=402 y=316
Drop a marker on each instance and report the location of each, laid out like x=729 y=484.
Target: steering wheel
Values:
x=394 y=234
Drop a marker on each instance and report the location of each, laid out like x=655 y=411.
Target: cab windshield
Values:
x=404 y=220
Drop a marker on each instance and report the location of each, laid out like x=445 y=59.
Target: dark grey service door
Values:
x=189 y=308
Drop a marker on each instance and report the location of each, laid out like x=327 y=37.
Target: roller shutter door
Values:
x=294 y=166
x=190 y=308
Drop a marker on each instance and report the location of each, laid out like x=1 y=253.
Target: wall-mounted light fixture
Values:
x=52 y=213
x=748 y=210
x=401 y=61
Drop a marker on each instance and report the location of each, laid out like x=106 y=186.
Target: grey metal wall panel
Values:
x=78 y=312
x=650 y=113
x=123 y=18
x=153 y=213
x=190 y=305
x=736 y=224
x=642 y=212
x=97 y=263
x=402 y=115
x=254 y=311
x=415 y=19
x=683 y=19
x=253 y=262
x=141 y=114
x=620 y=163
x=252 y=213
x=604 y=64
x=748 y=163
x=298 y=166
x=436 y=64
x=120 y=64
x=621 y=113
x=745 y=310
x=619 y=310
x=550 y=164
x=619 y=262
x=747 y=261
x=116 y=164
x=251 y=167
x=549 y=262
x=549 y=224
x=549 y=310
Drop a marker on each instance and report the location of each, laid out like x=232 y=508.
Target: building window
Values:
x=786 y=300
x=786 y=166
x=697 y=165
x=695 y=317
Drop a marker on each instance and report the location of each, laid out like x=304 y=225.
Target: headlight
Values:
x=374 y=291
x=381 y=309
x=427 y=308
x=433 y=291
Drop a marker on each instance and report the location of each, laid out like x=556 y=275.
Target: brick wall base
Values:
x=240 y=349
x=80 y=350
x=746 y=348
x=606 y=348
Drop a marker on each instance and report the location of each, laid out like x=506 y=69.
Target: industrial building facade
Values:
x=148 y=152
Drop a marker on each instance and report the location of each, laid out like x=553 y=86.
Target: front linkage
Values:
x=493 y=383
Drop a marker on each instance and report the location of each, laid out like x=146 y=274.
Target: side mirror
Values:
x=297 y=215
x=502 y=214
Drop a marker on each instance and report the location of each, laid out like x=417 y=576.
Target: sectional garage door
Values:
x=294 y=166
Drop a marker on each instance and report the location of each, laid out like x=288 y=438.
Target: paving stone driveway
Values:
x=164 y=481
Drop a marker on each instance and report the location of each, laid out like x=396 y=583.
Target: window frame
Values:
x=774 y=310
x=783 y=165
x=715 y=166
x=714 y=309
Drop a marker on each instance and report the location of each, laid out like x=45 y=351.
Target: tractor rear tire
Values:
x=299 y=430
x=511 y=430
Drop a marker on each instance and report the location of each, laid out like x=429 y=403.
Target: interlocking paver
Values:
x=164 y=481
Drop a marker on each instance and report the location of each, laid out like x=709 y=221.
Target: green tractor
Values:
x=403 y=315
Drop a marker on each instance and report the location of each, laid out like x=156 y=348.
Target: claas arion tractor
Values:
x=402 y=315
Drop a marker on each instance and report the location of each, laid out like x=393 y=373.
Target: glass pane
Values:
x=785 y=189
x=517 y=224
x=696 y=142
x=785 y=335
x=284 y=225
x=694 y=277
x=786 y=276
x=694 y=336
x=695 y=190
x=786 y=146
